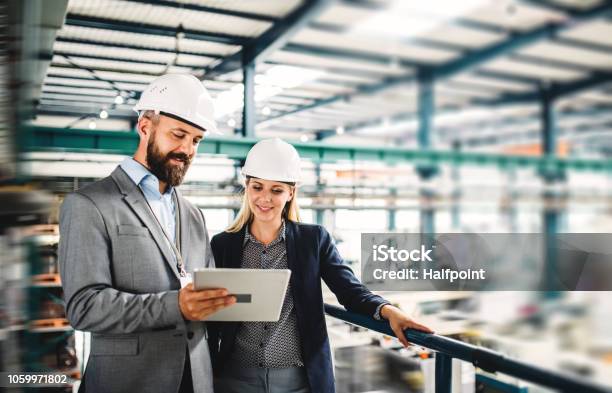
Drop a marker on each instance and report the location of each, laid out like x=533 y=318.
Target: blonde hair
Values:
x=291 y=211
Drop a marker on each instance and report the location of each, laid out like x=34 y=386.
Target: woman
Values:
x=293 y=354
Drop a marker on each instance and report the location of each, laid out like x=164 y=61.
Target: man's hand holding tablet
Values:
x=258 y=293
x=198 y=305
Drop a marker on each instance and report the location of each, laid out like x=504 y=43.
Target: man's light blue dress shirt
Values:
x=161 y=204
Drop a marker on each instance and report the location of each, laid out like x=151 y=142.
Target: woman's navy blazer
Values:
x=311 y=255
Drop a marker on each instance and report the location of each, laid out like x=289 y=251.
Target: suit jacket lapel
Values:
x=292 y=259
x=136 y=201
x=183 y=213
x=235 y=252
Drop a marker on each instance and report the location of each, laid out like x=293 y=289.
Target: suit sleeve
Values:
x=92 y=304
x=353 y=295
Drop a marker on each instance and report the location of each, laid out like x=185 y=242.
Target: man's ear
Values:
x=144 y=128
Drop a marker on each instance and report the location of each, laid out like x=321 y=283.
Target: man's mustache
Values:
x=179 y=156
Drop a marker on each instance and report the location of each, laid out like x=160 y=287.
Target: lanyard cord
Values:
x=176 y=245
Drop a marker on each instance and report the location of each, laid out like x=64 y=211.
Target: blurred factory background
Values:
x=478 y=116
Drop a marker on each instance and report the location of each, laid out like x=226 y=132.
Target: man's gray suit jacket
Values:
x=121 y=283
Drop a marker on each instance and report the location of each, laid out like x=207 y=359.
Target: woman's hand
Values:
x=400 y=321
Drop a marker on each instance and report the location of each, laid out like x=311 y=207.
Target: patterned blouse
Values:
x=268 y=344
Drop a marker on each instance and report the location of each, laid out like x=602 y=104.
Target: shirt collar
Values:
x=141 y=176
x=279 y=238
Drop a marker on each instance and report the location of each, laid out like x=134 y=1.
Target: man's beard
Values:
x=161 y=167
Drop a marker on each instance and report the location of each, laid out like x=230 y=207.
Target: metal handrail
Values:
x=486 y=359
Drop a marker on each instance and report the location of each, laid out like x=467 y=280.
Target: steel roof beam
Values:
x=463 y=22
x=84 y=95
x=86 y=86
x=509 y=77
x=595 y=79
x=473 y=59
x=348 y=54
x=60 y=110
x=258 y=49
x=558 y=90
x=429 y=42
x=211 y=10
x=555 y=90
x=446 y=133
x=117 y=59
x=535 y=135
x=145 y=28
x=296 y=48
x=333 y=69
x=107 y=69
x=336 y=53
x=77 y=88
x=101 y=102
x=549 y=5
x=605 y=49
x=480 y=56
x=360 y=90
x=110 y=81
x=560 y=64
x=134 y=47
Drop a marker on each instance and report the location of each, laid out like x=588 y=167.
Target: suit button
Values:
x=265 y=327
x=190 y=335
x=260 y=364
x=261 y=345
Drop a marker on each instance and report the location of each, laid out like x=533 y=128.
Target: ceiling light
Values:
x=119 y=99
x=92 y=124
x=304 y=138
x=266 y=111
x=231 y=123
x=103 y=114
x=340 y=130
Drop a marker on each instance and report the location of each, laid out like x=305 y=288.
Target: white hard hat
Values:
x=273 y=159
x=182 y=96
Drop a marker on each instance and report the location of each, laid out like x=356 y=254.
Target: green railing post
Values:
x=444 y=372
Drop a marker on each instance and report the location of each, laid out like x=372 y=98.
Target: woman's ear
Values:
x=291 y=193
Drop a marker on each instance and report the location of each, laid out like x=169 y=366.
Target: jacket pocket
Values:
x=132 y=230
x=114 y=346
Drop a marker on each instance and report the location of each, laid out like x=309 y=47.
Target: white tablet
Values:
x=259 y=292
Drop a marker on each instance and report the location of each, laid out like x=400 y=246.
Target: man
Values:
x=126 y=245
